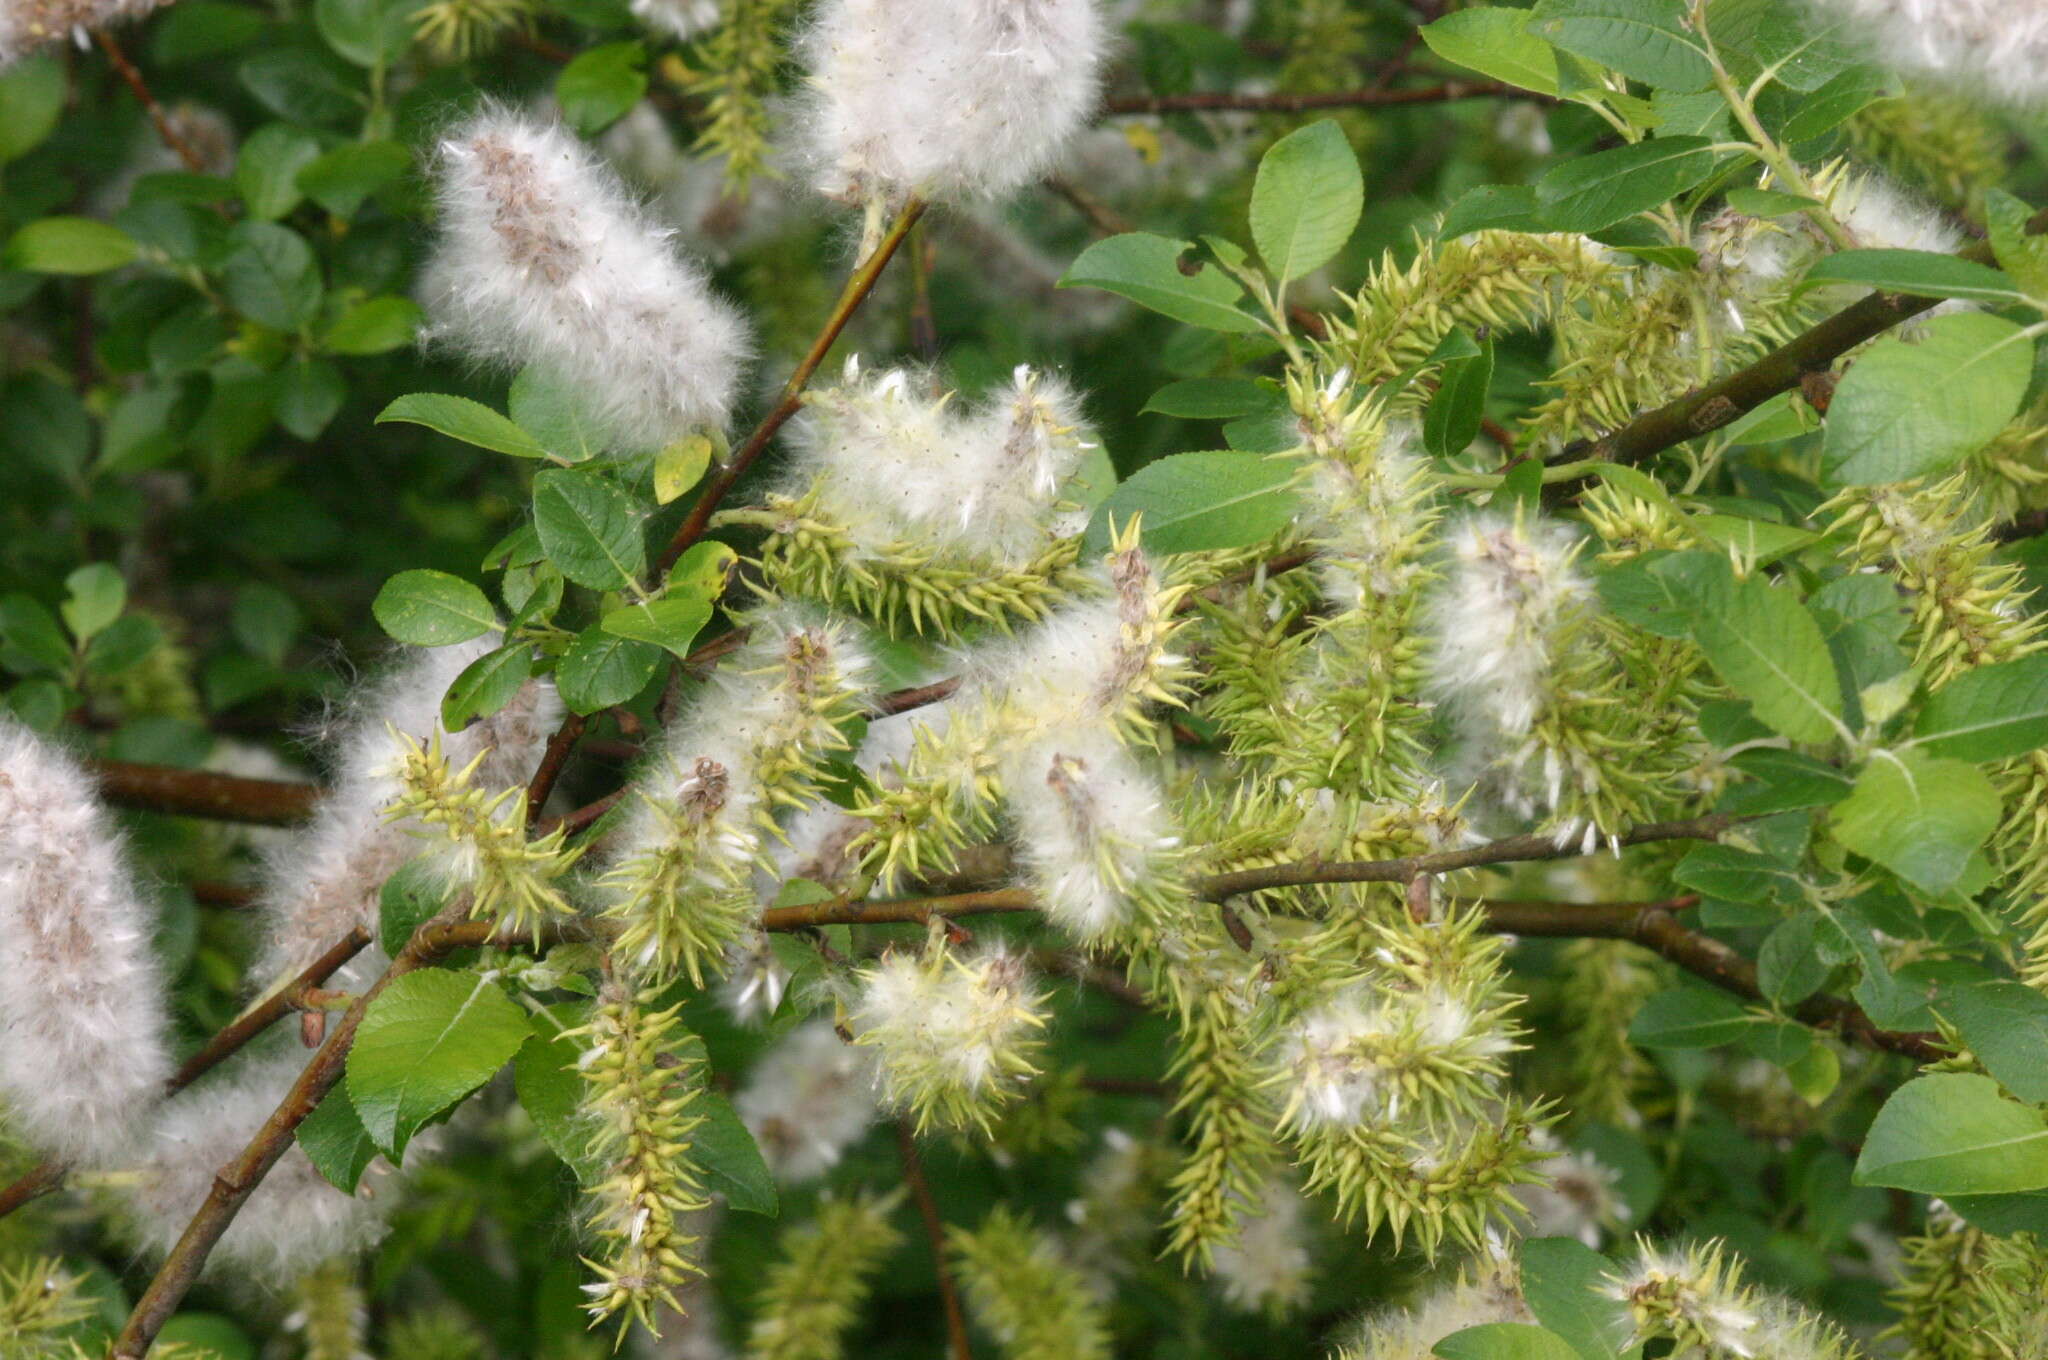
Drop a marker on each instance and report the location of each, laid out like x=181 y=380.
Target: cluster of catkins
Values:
x=84 y=1042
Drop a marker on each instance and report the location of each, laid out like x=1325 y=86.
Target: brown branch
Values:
x=125 y=68
x=1106 y=221
x=236 y=1181
x=202 y=793
x=552 y=761
x=49 y=1175
x=790 y=401
x=1231 y=100
x=928 y=1210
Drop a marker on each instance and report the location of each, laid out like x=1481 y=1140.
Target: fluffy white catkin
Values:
x=961 y=100
x=82 y=1051
x=325 y=880
x=293 y=1222
x=679 y=18
x=26 y=25
x=545 y=259
x=1995 y=48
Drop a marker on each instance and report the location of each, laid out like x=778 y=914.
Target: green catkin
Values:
x=1603 y=983
x=640 y=1089
x=510 y=879
x=434 y=1334
x=815 y=1292
x=1505 y=281
x=735 y=76
x=1963 y=1294
x=1019 y=1290
x=1936 y=143
x=330 y=1313
x=1697 y=1301
x=38 y=1300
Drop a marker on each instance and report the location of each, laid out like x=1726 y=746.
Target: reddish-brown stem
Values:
x=125 y=68
x=201 y=793
x=552 y=761
x=928 y=1210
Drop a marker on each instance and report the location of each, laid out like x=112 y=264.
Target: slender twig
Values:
x=791 y=399
x=1106 y=220
x=202 y=793
x=552 y=761
x=236 y=1181
x=928 y=1210
x=49 y=1175
x=125 y=68
x=1237 y=101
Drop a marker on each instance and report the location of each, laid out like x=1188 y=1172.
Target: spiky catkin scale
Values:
x=1604 y=983
x=1696 y=1300
x=1963 y=1294
x=329 y=1314
x=1035 y=1305
x=544 y=259
x=815 y=1292
x=756 y=742
x=324 y=880
x=1936 y=143
x=1504 y=281
x=954 y=1035
x=39 y=1300
x=83 y=1044
x=511 y=880
x=640 y=1092
x=1967 y=610
x=1228 y=1118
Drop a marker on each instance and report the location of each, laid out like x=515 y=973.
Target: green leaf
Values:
x=428 y=1040
x=731 y=1159
x=335 y=1141
x=205 y=1336
x=30 y=638
x=680 y=465
x=600 y=85
x=1591 y=192
x=1789 y=967
x=1989 y=713
x=1757 y=541
x=1194 y=502
x=671 y=624
x=588 y=528
x=309 y=394
x=1921 y=273
x=1665 y=593
x=1765 y=644
x=2006 y=1026
x=1786 y=782
x=366 y=32
x=1646 y=40
x=1561 y=1282
x=1908 y=408
x=1495 y=42
x=2004 y=1215
x=553 y=411
x=377 y=326
x=1502 y=207
x=265 y=621
x=460 y=418
x=1954 y=1133
x=1734 y=875
x=345 y=177
x=1827 y=108
x=1212 y=399
x=1147 y=270
x=1918 y=816
x=96 y=597
x=1689 y=1017
x=31 y=99
x=486 y=685
x=1452 y=421
x=551 y=1088
x=1306 y=199
x=267 y=171
x=414 y=894
x=271 y=277
x=1768 y=202
x=124 y=643
x=68 y=245
x=432 y=609
x=1504 y=1341
x=600 y=670
x=2020 y=253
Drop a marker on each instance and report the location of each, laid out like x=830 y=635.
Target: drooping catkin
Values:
x=704 y=808
x=815 y=1292
x=1021 y=1292
x=957 y=101
x=83 y=1053
x=544 y=259
x=640 y=1090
